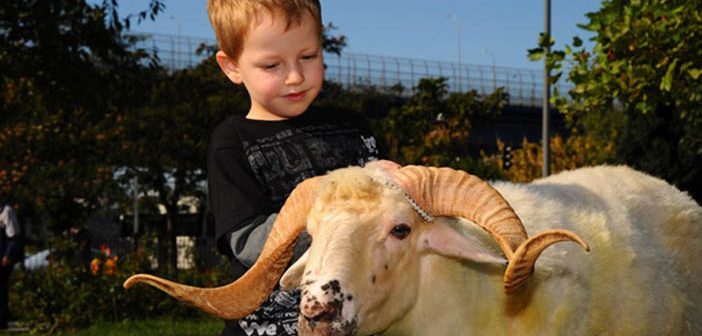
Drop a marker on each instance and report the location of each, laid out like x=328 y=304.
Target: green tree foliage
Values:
x=640 y=88
x=432 y=127
x=67 y=75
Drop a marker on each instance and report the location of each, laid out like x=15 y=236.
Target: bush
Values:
x=566 y=154
x=74 y=292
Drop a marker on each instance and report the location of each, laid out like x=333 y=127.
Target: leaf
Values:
x=577 y=42
x=694 y=73
x=536 y=54
x=545 y=40
x=667 y=81
x=579 y=89
x=553 y=79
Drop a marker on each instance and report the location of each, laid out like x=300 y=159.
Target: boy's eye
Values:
x=308 y=57
x=270 y=66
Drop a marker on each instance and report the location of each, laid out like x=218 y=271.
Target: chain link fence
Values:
x=352 y=70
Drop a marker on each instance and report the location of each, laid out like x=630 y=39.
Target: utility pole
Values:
x=546 y=168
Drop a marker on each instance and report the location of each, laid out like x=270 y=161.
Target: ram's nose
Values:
x=314 y=311
x=322 y=301
x=325 y=309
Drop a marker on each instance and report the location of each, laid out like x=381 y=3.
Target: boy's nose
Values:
x=295 y=76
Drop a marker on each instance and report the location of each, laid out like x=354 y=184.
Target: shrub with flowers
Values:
x=104 y=262
x=77 y=289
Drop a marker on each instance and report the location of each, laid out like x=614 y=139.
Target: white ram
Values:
x=380 y=264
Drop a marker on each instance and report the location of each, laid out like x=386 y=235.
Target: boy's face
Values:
x=282 y=70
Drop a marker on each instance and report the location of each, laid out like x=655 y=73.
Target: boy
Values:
x=273 y=48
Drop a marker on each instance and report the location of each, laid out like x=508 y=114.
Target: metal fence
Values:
x=351 y=70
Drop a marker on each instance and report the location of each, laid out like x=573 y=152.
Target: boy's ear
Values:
x=229 y=67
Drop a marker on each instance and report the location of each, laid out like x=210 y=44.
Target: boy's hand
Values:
x=385 y=164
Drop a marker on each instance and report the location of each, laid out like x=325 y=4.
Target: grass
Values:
x=162 y=327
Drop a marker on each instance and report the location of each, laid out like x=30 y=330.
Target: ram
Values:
x=435 y=251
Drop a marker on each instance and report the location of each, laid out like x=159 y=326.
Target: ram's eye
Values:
x=401 y=231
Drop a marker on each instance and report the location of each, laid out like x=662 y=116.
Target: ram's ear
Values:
x=441 y=238
x=292 y=278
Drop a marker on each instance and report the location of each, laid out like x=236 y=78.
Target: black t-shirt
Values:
x=253 y=165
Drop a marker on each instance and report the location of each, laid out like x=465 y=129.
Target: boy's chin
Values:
x=292 y=110
x=276 y=115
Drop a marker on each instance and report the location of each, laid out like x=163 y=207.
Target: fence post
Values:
x=397 y=73
x=338 y=66
x=369 y=69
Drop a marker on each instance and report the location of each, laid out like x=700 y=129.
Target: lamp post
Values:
x=546 y=168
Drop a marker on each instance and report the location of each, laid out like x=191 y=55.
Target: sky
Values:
x=491 y=32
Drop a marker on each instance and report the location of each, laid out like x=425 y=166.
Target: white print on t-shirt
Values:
x=277 y=316
x=259 y=329
x=283 y=160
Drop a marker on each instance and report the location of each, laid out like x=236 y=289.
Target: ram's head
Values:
x=370 y=227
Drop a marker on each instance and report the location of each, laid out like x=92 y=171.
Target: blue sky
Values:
x=498 y=31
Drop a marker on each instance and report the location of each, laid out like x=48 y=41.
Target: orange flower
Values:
x=95 y=266
x=110 y=266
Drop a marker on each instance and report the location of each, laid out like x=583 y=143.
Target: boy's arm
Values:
x=243 y=214
x=247 y=241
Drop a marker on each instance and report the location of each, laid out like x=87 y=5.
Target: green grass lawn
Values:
x=161 y=327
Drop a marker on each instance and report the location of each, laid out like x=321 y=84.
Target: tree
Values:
x=164 y=144
x=432 y=127
x=68 y=72
x=639 y=87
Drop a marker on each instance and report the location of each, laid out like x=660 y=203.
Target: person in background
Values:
x=274 y=49
x=11 y=248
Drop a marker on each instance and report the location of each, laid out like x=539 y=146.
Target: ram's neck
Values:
x=446 y=303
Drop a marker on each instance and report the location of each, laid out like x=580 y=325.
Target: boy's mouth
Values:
x=295 y=96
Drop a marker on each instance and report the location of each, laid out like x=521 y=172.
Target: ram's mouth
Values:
x=310 y=327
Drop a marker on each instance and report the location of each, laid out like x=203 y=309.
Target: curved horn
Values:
x=246 y=294
x=449 y=192
x=521 y=266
